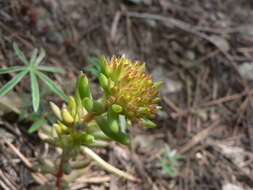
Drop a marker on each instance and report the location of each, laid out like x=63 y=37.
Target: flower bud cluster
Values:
x=130 y=95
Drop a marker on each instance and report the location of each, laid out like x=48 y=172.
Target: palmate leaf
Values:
x=35 y=92
x=52 y=85
x=12 y=69
x=20 y=54
x=50 y=69
x=9 y=85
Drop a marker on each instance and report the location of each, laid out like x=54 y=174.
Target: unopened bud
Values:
x=98 y=107
x=57 y=128
x=158 y=84
x=72 y=105
x=142 y=110
x=148 y=123
x=88 y=139
x=88 y=104
x=56 y=110
x=63 y=127
x=117 y=108
x=83 y=87
x=67 y=116
x=103 y=81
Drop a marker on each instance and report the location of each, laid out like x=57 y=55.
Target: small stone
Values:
x=230 y=186
x=246 y=70
x=55 y=37
x=190 y=55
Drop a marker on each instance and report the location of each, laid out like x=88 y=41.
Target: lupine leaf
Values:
x=20 y=54
x=12 y=69
x=50 y=69
x=9 y=85
x=35 y=92
x=33 y=57
x=40 y=57
x=52 y=85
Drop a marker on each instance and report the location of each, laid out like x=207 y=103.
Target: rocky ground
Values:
x=201 y=49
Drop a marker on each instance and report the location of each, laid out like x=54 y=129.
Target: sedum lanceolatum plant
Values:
x=129 y=96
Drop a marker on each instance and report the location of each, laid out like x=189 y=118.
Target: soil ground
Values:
x=202 y=49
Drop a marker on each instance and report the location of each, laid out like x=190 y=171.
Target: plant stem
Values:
x=105 y=165
x=88 y=117
x=59 y=174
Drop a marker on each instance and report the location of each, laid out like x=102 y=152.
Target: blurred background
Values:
x=201 y=49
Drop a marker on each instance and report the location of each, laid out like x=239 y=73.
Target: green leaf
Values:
x=40 y=57
x=51 y=84
x=9 y=85
x=35 y=92
x=50 y=69
x=94 y=67
x=33 y=57
x=12 y=69
x=36 y=125
x=20 y=54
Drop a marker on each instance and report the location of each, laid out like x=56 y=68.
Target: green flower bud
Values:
x=114 y=126
x=158 y=84
x=117 y=108
x=88 y=104
x=88 y=139
x=142 y=110
x=104 y=68
x=155 y=100
x=98 y=107
x=103 y=81
x=84 y=89
x=158 y=107
x=112 y=117
x=148 y=123
x=56 y=110
x=119 y=136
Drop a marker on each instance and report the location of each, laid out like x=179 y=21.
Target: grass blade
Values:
x=20 y=54
x=52 y=85
x=9 y=85
x=35 y=92
x=50 y=69
x=12 y=69
x=40 y=57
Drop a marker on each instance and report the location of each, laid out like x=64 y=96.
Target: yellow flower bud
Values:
x=56 y=110
x=66 y=116
x=57 y=128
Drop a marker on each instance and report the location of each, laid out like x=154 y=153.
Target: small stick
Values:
x=38 y=176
